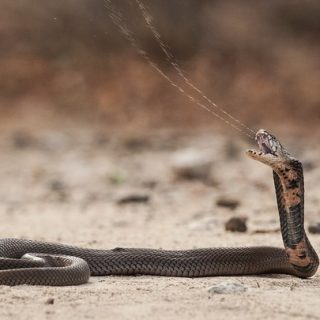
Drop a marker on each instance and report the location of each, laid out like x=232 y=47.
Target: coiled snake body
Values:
x=41 y=263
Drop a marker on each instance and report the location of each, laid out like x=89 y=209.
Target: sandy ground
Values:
x=64 y=185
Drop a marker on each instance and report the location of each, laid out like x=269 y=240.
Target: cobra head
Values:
x=271 y=152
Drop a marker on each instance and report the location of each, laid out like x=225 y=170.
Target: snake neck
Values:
x=289 y=187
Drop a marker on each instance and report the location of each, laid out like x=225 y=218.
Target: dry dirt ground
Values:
x=65 y=185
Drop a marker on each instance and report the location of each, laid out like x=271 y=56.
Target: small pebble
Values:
x=50 y=301
x=228 y=203
x=134 y=198
x=227 y=288
x=308 y=165
x=261 y=231
x=22 y=140
x=314 y=228
x=137 y=143
x=56 y=185
x=58 y=190
x=236 y=224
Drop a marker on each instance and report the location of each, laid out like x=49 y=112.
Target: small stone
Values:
x=56 y=185
x=22 y=140
x=50 y=301
x=228 y=203
x=137 y=143
x=134 y=198
x=58 y=190
x=236 y=224
x=314 y=228
x=261 y=231
x=308 y=165
x=227 y=288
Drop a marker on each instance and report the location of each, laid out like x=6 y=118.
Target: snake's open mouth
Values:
x=265 y=149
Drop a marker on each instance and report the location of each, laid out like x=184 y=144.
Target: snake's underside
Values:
x=41 y=263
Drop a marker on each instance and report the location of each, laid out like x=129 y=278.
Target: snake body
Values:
x=42 y=263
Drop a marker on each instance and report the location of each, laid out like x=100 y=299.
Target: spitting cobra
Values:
x=42 y=263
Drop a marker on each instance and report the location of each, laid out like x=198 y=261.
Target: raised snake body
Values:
x=41 y=263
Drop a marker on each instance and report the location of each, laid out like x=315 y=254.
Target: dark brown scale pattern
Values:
x=292 y=220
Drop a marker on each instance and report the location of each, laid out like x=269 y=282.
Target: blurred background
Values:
x=85 y=120
x=67 y=60
x=98 y=150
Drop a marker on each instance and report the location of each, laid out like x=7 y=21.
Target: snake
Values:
x=53 y=264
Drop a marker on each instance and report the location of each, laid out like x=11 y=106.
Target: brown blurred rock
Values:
x=23 y=140
x=50 y=301
x=134 y=198
x=236 y=224
x=137 y=143
x=314 y=228
x=58 y=190
x=228 y=203
x=309 y=165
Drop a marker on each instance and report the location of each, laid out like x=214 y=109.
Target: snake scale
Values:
x=41 y=263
